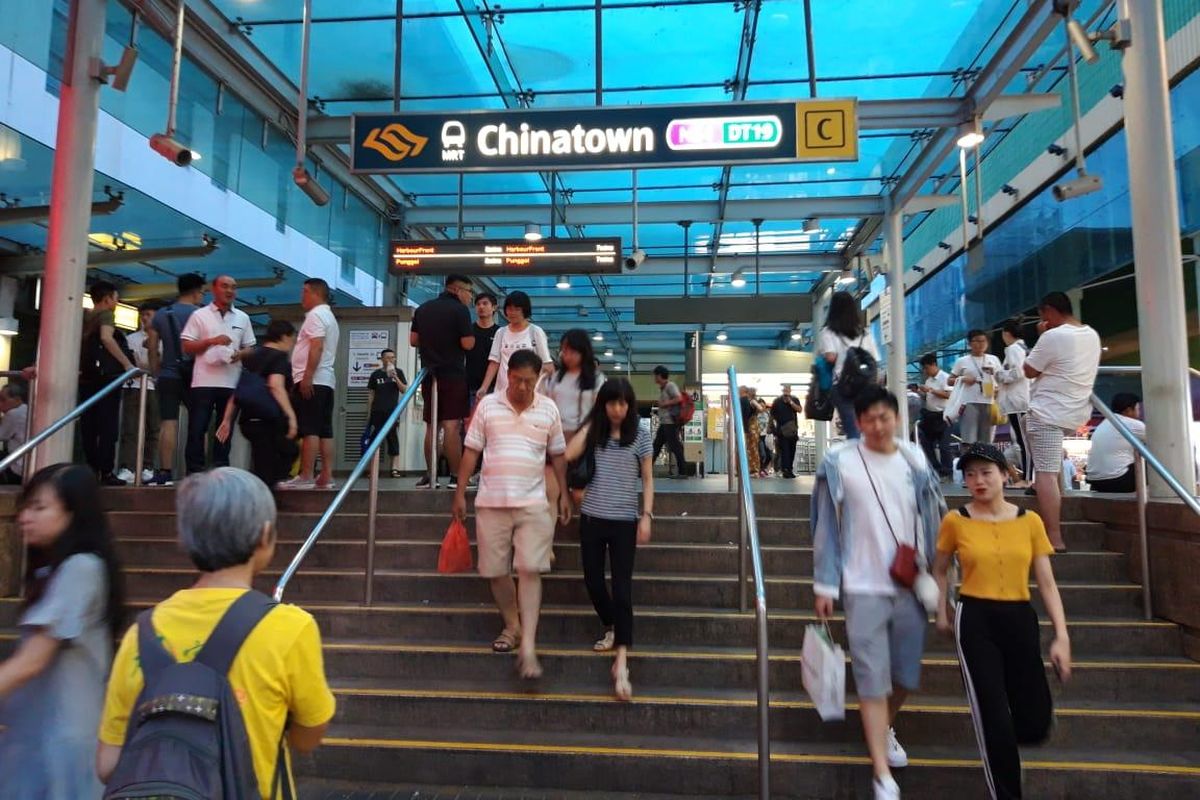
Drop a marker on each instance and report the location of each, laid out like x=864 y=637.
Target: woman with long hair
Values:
x=844 y=330
x=573 y=388
x=519 y=334
x=52 y=687
x=611 y=521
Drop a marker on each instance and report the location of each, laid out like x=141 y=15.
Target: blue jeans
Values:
x=845 y=410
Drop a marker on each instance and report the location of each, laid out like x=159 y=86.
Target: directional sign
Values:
x=506 y=256
x=606 y=137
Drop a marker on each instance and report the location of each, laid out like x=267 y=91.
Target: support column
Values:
x=1158 y=258
x=70 y=216
x=897 y=366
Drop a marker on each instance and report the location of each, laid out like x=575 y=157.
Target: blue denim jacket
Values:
x=830 y=516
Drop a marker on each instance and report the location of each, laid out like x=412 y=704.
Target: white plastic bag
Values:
x=823 y=671
x=954 y=405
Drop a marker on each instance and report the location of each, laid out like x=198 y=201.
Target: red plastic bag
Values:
x=455 y=555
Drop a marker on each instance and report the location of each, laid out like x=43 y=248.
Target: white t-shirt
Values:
x=1111 y=455
x=871 y=547
x=319 y=323
x=574 y=404
x=1067 y=357
x=941 y=382
x=508 y=341
x=213 y=369
x=1014 y=386
x=141 y=357
x=832 y=342
x=1068 y=474
x=970 y=366
x=12 y=434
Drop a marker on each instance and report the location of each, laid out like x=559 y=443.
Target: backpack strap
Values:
x=964 y=512
x=152 y=656
x=226 y=639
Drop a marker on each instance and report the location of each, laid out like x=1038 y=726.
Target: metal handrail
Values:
x=70 y=417
x=749 y=540
x=371 y=457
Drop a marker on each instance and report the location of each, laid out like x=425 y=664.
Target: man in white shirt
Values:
x=514 y=526
x=933 y=429
x=870 y=497
x=312 y=371
x=1063 y=367
x=977 y=371
x=215 y=337
x=1110 y=461
x=13 y=427
x=130 y=395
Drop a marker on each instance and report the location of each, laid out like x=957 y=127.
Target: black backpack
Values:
x=95 y=362
x=253 y=397
x=859 y=370
x=186 y=738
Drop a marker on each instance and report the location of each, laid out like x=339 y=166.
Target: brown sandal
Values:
x=507 y=641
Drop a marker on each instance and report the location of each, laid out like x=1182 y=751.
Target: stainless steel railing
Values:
x=371 y=458
x=748 y=520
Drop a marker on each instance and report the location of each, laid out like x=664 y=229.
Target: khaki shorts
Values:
x=510 y=539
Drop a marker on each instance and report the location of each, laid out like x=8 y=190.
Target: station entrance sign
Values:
x=605 y=137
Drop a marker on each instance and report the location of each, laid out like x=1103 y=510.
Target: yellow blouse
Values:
x=995 y=556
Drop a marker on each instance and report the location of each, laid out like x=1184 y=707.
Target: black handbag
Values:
x=581 y=471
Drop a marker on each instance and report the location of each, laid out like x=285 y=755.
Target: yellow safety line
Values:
x=786 y=758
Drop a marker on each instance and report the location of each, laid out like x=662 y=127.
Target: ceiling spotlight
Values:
x=597 y=336
x=811 y=225
x=738 y=280
x=533 y=232
x=563 y=282
x=970 y=134
x=1011 y=191
x=722 y=336
x=1082 y=41
x=608 y=353
x=944 y=245
x=1056 y=150
x=797 y=335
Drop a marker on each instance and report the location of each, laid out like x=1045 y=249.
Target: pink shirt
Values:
x=513 y=474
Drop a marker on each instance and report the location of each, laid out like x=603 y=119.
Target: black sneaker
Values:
x=423 y=483
x=108 y=479
x=162 y=477
x=453 y=482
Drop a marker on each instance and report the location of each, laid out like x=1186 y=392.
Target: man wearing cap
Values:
x=1110 y=461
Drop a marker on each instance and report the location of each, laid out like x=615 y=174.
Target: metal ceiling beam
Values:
x=35 y=264
x=14 y=215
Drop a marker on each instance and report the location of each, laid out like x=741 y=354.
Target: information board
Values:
x=506 y=256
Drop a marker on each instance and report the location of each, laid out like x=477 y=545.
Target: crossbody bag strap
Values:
x=879 y=500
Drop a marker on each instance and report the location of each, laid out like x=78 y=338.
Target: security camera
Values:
x=635 y=259
x=171 y=150
x=1077 y=187
x=308 y=184
x=1082 y=41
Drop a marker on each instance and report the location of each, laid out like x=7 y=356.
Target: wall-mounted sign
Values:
x=606 y=137
x=506 y=256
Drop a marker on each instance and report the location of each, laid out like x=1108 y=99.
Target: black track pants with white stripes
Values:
x=999 y=650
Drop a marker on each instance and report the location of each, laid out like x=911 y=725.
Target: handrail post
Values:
x=730 y=447
x=1139 y=477
x=372 y=515
x=743 y=555
x=30 y=463
x=139 y=460
x=435 y=429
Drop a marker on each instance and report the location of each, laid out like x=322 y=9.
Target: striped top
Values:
x=513 y=473
x=613 y=492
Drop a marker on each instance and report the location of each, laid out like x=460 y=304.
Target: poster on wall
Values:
x=363 y=361
x=693 y=431
x=377 y=339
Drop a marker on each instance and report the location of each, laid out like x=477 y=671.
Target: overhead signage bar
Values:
x=506 y=256
x=606 y=137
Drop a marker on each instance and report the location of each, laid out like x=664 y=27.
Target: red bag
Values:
x=455 y=555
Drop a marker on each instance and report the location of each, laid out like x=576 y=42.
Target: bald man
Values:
x=214 y=336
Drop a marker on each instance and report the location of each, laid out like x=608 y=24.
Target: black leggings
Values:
x=999 y=651
x=619 y=538
x=1016 y=422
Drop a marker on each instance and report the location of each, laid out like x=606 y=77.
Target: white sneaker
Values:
x=147 y=475
x=896 y=756
x=297 y=483
x=886 y=788
x=125 y=474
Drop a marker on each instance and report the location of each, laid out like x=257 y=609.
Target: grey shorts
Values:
x=887 y=638
x=1045 y=444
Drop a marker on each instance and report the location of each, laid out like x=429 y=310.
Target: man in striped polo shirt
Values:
x=514 y=526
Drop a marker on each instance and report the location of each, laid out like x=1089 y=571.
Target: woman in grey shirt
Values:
x=52 y=687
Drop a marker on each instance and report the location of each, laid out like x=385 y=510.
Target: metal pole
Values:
x=898 y=351
x=743 y=556
x=398 y=66
x=962 y=194
x=30 y=466
x=372 y=517
x=979 y=192
x=812 y=51
x=176 y=65
x=1139 y=477
x=730 y=459
x=462 y=179
x=139 y=460
x=433 y=439
x=599 y=41
x=764 y=699
x=70 y=215
x=1157 y=254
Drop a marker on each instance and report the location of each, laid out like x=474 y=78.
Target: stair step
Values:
x=311 y=789
x=632 y=762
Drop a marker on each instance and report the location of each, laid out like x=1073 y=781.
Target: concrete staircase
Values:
x=423 y=703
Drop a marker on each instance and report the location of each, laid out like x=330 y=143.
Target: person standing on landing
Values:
x=669 y=434
x=1014 y=394
x=172 y=369
x=870 y=496
x=996 y=627
x=514 y=525
x=573 y=388
x=384 y=388
x=933 y=428
x=784 y=412
x=1063 y=367
x=977 y=370
x=312 y=372
x=518 y=334
x=485 y=328
x=610 y=518
x=844 y=329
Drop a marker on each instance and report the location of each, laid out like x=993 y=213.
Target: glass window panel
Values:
x=676 y=44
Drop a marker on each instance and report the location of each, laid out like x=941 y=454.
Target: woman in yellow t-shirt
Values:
x=995 y=625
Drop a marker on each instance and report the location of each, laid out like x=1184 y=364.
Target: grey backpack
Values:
x=186 y=738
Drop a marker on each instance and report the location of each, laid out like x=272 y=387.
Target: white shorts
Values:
x=514 y=538
x=1045 y=444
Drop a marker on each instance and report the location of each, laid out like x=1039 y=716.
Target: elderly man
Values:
x=514 y=526
x=226 y=523
x=785 y=411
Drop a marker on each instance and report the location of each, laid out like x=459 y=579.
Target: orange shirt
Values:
x=995 y=556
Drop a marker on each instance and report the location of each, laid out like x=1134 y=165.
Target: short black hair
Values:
x=971 y=334
x=487 y=296
x=929 y=358
x=525 y=358
x=1122 y=401
x=1059 y=302
x=453 y=279
x=1012 y=327
x=277 y=329
x=662 y=372
x=385 y=351
x=872 y=395
x=319 y=285
x=189 y=282
x=101 y=291
x=519 y=300
x=150 y=305
x=15 y=390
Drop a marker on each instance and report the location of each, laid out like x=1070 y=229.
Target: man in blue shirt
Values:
x=172 y=370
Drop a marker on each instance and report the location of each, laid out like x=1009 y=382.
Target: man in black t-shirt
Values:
x=787 y=432
x=442 y=333
x=485 y=328
x=383 y=395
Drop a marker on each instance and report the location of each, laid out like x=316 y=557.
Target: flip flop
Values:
x=506 y=642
